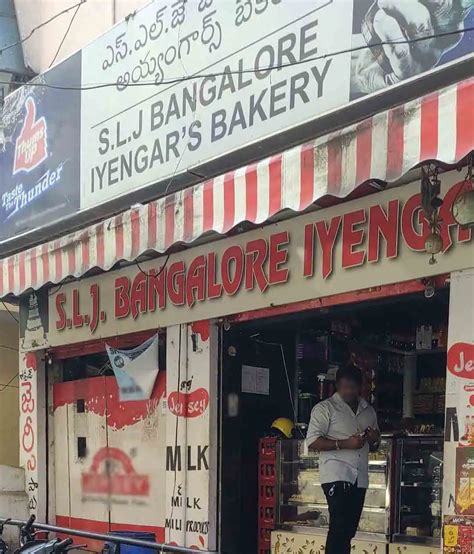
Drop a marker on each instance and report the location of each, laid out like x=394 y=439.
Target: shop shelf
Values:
x=385 y=348
x=421 y=485
x=313 y=495
x=373 y=520
x=375 y=497
x=377 y=463
x=307 y=504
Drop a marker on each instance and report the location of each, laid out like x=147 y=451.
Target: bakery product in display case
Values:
x=302 y=504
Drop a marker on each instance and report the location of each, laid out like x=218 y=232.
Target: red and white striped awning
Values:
x=434 y=127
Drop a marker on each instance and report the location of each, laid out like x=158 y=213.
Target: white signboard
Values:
x=193 y=80
x=142 y=134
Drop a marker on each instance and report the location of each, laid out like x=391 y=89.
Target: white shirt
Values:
x=334 y=419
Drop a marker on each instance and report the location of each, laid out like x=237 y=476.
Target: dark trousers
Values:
x=345 y=502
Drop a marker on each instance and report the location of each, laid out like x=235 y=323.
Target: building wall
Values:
x=9 y=414
x=93 y=18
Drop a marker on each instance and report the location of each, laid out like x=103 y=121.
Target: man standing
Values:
x=343 y=429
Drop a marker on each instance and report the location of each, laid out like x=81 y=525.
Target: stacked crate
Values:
x=267 y=493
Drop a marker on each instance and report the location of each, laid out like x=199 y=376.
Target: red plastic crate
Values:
x=267 y=494
x=267 y=472
x=267 y=515
x=268 y=449
x=265 y=533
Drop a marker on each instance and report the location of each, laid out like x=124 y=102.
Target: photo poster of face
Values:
x=375 y=21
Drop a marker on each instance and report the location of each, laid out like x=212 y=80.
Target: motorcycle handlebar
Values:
x=29 y=523
x=61 y=545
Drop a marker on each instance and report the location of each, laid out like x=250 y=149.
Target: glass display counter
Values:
x=419 y=490
x=302 y=504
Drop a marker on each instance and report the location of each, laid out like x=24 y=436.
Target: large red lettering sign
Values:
x=365 y=235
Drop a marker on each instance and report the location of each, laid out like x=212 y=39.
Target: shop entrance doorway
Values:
x=282 y=366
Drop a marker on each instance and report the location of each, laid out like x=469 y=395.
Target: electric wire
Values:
x=6 y=308
x=285 y=367
x=241 y=71
x=8 y=347
x=9 y=384
x=43 y=24
x=154 y=275
x=66 y=34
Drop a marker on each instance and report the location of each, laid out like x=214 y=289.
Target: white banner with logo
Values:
x=136 y=370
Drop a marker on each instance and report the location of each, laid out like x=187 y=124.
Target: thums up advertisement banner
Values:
x=190 y=81
x=39 y=152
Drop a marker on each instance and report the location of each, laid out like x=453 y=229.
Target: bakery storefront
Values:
x=322 y=293
x=252 y=326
